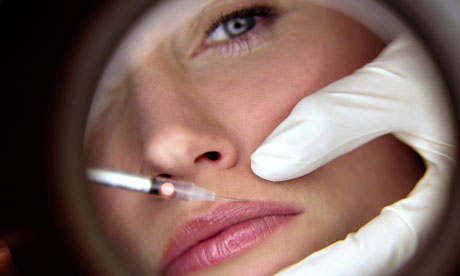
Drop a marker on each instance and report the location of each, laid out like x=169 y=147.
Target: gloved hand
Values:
x=400 y=92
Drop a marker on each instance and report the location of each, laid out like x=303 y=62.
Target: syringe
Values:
x=159 y=186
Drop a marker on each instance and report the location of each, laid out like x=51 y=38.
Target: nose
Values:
x=181 y=150
x=181 y=133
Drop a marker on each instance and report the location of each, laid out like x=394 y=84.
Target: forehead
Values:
x=157 y=22
x=148 y=31
x=151 y=29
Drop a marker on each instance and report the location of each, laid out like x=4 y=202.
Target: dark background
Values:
x=37 y=40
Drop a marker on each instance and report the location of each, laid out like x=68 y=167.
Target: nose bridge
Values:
x=159 y=80
x=162 y=97
x=178 y=136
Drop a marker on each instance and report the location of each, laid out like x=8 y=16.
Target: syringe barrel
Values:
x=183 y=190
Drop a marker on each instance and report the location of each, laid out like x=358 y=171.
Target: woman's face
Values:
x=201 y=96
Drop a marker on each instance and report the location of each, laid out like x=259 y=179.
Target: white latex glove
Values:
x=400 y=92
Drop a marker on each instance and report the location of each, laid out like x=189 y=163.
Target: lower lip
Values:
x=229 y=243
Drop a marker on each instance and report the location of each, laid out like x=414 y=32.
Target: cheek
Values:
x=131 y=225
x=114 y=142
x=260 y=89
x=254 y=99
x=251 y=102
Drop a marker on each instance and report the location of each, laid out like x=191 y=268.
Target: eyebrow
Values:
x=210 y=3
x=192 y=31
x=193 y=28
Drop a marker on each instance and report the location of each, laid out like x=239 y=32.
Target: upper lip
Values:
x=223 y=216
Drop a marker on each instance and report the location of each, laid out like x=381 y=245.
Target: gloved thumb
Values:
x=395 y=93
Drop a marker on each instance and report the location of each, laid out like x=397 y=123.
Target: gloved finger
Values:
x=388 y=240
x=393 y=93
x=352 y=255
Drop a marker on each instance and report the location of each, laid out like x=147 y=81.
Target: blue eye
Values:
x=232 y=28
x=238 y=23
x=239 y=26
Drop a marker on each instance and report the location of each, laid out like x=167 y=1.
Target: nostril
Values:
x=165 y=175
x=212 y=155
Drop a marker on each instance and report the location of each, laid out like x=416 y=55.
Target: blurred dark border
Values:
x=438 y=24
x=43 y=42
x=38 y=38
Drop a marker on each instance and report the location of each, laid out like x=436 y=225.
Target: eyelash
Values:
x=263 y=16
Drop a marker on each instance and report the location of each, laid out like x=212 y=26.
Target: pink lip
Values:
x=225 y=232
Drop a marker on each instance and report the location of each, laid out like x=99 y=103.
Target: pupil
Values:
x=239 y=26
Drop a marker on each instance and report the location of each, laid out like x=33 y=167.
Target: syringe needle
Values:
x=232 y=198
x=158 y=186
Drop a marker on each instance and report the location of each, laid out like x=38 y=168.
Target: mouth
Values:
x=227 y=231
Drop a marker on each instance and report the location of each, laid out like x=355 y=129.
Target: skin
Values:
x=179 y=103
x=6 y=262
